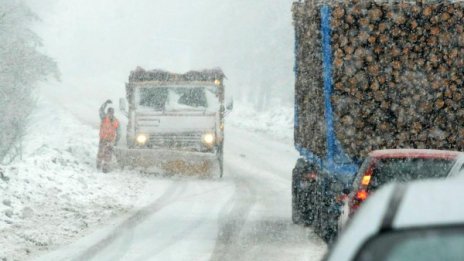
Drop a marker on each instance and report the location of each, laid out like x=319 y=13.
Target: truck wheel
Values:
x=221 y=161
x=221 y=168
x=297 y=206
x=309 y=207
x=330 y=233
x=318 y=208
x=324 y=232
x=297 y=216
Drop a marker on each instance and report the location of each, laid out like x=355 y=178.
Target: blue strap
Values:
x=327 y=76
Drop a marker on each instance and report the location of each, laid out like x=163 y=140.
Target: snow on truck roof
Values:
x=142 y=75
x=415 y=153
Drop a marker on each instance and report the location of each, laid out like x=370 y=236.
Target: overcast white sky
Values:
x=98 y=42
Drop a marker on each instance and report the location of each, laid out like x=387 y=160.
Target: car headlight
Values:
x=141 y=139
x=208 y=139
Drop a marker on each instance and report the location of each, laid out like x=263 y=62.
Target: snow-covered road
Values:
x=244 y=216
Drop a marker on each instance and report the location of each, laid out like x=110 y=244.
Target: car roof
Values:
x=430 y=203
x=423 y=204
x=415 y=153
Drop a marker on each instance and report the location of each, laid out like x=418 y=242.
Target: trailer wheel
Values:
x=296 y=211
x=318 y=207
x=297 y=206
x=309 y=206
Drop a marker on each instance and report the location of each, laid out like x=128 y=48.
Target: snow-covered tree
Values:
x=22 y=66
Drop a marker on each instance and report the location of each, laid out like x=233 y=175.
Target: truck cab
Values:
x=174 y=117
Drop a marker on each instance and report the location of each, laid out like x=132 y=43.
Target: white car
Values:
x=422 y=220
x=458 y=168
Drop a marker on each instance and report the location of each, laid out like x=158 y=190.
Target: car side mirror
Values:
x=122 y=106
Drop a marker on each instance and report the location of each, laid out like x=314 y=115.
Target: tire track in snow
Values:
x=232 y=219
x=262 y=232
x=177 y=237
x=157 y=250
x=127 y=226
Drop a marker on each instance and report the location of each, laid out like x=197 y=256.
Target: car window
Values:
x=402 y=170
x=426 y=244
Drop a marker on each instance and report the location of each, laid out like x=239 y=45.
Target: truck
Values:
x=175 y=122
x=370 y=75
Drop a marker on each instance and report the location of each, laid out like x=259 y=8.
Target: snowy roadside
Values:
x=277 y=122
x=54 y=195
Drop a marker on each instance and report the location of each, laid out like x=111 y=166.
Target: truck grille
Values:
x=184 y=141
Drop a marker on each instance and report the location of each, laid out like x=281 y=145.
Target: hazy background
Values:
x=98 y=42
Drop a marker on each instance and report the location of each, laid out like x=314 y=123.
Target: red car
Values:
x=401 y=165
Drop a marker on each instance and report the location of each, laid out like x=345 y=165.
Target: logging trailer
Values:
x=370 y=75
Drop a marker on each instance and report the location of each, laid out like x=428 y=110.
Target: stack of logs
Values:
x=398 y=74
x=142 y=75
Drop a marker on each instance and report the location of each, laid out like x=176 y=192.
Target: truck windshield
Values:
x=176 y=99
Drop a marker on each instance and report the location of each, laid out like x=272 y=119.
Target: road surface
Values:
x=244 y=216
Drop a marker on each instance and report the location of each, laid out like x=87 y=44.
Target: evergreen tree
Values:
x=22 y=66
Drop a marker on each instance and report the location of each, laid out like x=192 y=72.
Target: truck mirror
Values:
x=230 y=106
x=122 y=105
x=346 y=191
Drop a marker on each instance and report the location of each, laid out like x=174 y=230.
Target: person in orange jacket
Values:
x=109 y=136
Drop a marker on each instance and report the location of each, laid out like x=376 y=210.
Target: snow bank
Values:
x=55 y=194
x=276 y=121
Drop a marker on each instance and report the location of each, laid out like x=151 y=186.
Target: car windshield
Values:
x=406 y=169
x=444 y=244
x=176 y=99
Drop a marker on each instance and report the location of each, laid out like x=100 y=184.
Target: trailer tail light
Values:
x=311 y=176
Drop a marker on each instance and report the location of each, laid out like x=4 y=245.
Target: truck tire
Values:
x=319 y=207
x=317 y=214
x=309 y=206
x=330 y=227
x=221 y=160
x=221 y=167
x=296 y=211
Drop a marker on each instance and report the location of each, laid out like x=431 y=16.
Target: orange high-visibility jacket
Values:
x=109 y=129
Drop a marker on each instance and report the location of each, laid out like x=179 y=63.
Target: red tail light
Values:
x=361 y=195
x=311 y=176
x=365 y=181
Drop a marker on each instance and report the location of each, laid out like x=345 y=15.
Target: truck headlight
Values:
x=141 y=139
x=208 y=139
